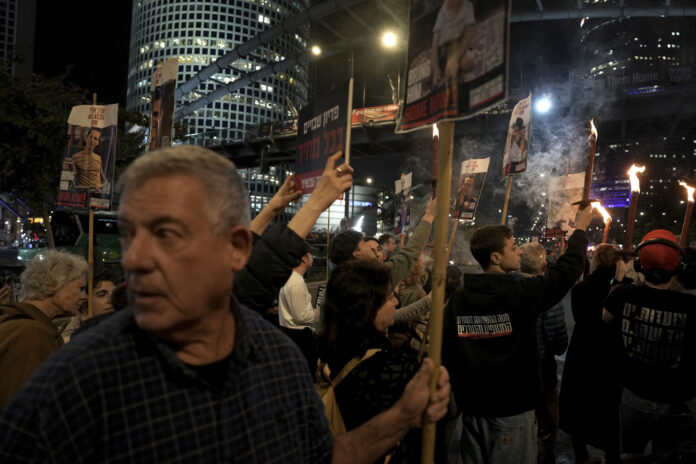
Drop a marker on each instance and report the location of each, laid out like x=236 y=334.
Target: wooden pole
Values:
x=607 y=226
x=590 y=166
x=507 y=199
x=90 y=246
x=451 y=239
x=328 y=235
x=631 y=220
x=439 y=274
x=349 y=126
x=685 y=224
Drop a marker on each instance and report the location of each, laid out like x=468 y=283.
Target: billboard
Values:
x=456 y=60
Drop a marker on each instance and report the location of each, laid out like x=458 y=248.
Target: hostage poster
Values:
x=90 y=155
x=321 y=132
x=473 y=175
x=457 y=52
x=517 y=141
x=162 y=89
x=402 y=216
x=563 y=192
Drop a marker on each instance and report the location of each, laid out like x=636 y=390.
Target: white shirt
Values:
x=451 y=28
x=295 y=309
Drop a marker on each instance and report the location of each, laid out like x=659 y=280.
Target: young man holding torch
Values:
x=490 y=345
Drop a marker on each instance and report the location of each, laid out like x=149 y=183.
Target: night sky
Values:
x=93 y=37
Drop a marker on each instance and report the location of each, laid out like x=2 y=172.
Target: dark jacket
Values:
x=489 y=340
x=590 y=388
x=274 y=256
x=27 y=338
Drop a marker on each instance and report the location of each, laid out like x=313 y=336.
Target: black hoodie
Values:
x=489 y=339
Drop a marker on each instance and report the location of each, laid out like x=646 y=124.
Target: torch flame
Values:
x=593 y=130
x=689 y=191
x=436 y=133
x=635 y=183
x=605 y=215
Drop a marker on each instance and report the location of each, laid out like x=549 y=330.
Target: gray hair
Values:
x=48 y=272
x=533 y=258
x=227 y=202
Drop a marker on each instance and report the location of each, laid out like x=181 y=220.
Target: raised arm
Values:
x=285 y=195
x=333 y=182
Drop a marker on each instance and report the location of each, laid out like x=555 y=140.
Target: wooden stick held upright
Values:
x=439 y=274
x=687 y=215
x=90 y=246
x=507 y=199
x=590 y=164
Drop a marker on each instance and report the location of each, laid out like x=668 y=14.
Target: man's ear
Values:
x=240 y=243
x=496 y=258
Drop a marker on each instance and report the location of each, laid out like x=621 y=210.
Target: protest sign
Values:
x=90 y=155
x=456 y=60
x=402 y=217
x=473 y=175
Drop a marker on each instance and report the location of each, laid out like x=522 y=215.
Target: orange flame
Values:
x=689 y=191
x=436 y=132
x=635 y=183
x=593 y=131
x=605 y=215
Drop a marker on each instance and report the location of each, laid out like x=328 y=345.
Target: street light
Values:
x=316 y=50
x=389 y=39
x=368 y=180
x=543 y=104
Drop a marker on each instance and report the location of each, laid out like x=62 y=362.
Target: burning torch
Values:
x=607 y=220
x=633 y=205
x=436 y=148
x=590 y=164
x=687 y=216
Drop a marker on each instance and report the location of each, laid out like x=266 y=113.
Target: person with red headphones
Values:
x=658 y=328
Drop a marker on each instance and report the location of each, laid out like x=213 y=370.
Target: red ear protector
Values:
x=655 y=274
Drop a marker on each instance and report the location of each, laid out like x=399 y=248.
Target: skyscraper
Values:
x=198 y=32
x=17 y=35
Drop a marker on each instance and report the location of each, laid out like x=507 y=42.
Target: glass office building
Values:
x=198 y=32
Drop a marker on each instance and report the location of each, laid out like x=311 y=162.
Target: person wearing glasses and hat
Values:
x=657 y=326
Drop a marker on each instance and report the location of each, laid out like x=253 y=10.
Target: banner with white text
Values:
x=321 y=132
x=162 y=90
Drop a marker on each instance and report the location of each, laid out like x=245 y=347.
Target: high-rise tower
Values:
x=198 y=32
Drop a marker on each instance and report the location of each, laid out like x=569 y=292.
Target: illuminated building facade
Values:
x=198 y=32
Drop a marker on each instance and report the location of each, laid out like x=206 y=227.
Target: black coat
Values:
x=591 y=387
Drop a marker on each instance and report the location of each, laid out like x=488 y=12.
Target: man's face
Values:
x=71 y=297
x=369 y=249
x=180 y=270
x=391 y=245
x=101 y=302
x=510 y=257
x=92 y=139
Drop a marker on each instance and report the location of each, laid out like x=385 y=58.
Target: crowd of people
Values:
x=209 y=347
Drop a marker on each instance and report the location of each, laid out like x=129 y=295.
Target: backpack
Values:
x=325 y=387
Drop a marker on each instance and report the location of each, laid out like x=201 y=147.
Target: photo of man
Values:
x=87 y=165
